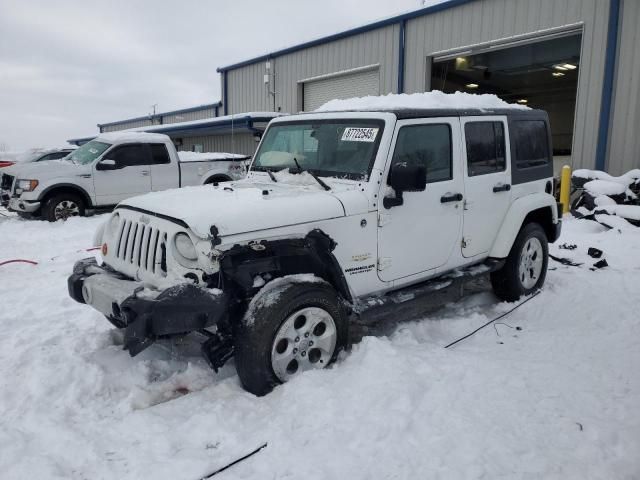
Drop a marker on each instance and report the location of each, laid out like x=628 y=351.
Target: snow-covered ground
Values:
x=559 y=398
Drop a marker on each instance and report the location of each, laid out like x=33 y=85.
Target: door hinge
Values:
x=383 y=219
x=383 y=263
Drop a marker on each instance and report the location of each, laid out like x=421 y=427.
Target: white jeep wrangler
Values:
x=342 y=214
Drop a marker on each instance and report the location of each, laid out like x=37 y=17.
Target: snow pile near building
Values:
x=208 y=156
x=603 y=196
x=427 y=100
x=557 y=399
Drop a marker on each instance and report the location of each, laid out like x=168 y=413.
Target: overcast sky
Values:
x=67 y=65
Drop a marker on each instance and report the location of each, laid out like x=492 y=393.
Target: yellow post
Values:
x=565 y=188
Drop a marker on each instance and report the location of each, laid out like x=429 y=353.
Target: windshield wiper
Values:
x=315 y=177
x=271 y=175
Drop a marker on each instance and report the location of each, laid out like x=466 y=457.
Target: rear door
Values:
x=165 y=174
x=422 y=233
x=131 y=177
x=487 y=181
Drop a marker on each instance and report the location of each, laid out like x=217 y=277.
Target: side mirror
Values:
x=107 y=164
x=405 y=178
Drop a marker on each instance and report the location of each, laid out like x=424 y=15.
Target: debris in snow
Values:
x=428 y=100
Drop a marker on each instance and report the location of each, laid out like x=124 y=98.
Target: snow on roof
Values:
x=203 y=121
x=416 y=101
x=200 y=157
x=127 y=135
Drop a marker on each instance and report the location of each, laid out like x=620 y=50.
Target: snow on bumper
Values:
x=177 y=310
x=18 y=205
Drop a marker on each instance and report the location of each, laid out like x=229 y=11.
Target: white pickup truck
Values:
x=109 y=169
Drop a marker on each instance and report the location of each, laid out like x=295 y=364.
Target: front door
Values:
x=422 y=233
x=131 y=177
x=487 y=182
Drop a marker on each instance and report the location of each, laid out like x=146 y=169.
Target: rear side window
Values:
x=427 y=145
x=131 y=155
x=532 y=143
x=485 y=147
x=159 y=153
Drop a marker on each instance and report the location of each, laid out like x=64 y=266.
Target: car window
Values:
x=427 y=145
x=532 y=143
x=485 y=147
x=159 y=153
x=53 y=156
x=131 y=155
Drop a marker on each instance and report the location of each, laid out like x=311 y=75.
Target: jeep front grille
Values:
x=142 y=246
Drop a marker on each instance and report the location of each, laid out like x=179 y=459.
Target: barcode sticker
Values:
x=359 y=134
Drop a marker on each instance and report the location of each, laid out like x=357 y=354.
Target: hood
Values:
x=50 y=168
x=241 y=207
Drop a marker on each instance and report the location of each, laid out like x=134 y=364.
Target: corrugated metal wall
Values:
x=242 y=143
x=124 y=126
x=624 y=140
x=189 y=116
x=248 y=92
x=489 y=20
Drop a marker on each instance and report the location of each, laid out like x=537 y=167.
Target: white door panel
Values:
x=133 y=177
x=487 y=181
x=422 y=233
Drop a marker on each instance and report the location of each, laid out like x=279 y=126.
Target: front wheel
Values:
x=62 y=207
x=526 y=266
x=288 y=329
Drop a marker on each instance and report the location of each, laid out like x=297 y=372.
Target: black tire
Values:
x=507 y=282
x=75 y=202
x=254 y=338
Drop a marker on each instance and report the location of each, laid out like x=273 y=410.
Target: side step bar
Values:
x=403 y=301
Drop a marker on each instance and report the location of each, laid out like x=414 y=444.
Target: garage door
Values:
x=360 y=84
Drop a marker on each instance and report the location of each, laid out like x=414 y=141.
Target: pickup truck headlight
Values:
x=26 y=185
x=185 y=248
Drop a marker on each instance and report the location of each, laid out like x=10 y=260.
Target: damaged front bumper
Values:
x=146 y=316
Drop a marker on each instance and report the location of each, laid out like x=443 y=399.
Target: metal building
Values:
x=577 y=59
x=174 y=116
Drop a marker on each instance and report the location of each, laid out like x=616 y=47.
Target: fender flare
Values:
x=310 y=254
x=210 y=176
x=67 y=186
x=515 y=217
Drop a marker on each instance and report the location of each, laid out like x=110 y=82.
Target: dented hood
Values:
x=241 y=207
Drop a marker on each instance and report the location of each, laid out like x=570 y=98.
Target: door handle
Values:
x=145 y=173
x=501 y=187
x=451 y=197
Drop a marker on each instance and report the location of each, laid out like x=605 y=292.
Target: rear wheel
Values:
x=526 y=266
x=289 y=329
x=63 y=206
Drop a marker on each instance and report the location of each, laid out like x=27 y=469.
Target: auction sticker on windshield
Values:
x=359 y=134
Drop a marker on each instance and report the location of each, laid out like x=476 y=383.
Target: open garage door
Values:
x=540 y=72
x=358 y=84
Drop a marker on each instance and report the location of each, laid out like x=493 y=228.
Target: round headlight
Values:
x=185 y=247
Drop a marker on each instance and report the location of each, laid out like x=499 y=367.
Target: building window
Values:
x=485 y=147
x=197 y=147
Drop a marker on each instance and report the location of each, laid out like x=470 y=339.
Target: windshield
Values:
x=88 y=152
x=330 y=148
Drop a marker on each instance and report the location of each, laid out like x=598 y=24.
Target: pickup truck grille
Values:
x=7 y=181
x=142 y=246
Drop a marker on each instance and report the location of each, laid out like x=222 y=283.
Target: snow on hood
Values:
x=430 y=100
x=240 y=207
x=32 y=169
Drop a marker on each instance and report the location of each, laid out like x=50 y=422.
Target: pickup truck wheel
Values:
x=526 y=267
x=63 y=206
x=287 y=330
